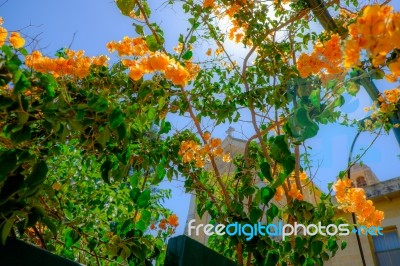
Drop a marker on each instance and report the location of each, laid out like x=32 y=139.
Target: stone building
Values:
x=377 y=250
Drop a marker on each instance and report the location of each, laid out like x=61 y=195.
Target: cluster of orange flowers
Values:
x=152 y=61
x=76 y=64
x=393 y=95
x=237 y=30
x=293 y=192
x=15 y=38
x=172 y=220
x=354 y=200
x=191 y=151
x=326 y=56
x=378 y=32
x=389 y=99
x=217 y=51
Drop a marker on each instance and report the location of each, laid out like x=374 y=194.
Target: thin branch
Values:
x=146 y=19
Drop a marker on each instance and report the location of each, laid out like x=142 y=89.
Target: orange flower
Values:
x=219 y=51
x=163 y=224
x=215 y=142
x=206 y=136
x=158 y=61
x=303 y=176
x=226 y=158
x=391 y=78
x=218 y=151
x=100 y=60
x=177 y=74
x=393 y=95
x=294 y=192
x=199 y=163
x=136 y=72
x=138 y=216
x=76 y=64
x=208 y=3
x=279 y=193
x=3 y=35
x=173 y=220
x=16 y=40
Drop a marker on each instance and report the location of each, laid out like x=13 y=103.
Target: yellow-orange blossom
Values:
x=352 y=199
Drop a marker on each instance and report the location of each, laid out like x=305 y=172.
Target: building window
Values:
x=361 y=182
x=387 y=248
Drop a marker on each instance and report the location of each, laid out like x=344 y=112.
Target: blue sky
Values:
x=90 y=24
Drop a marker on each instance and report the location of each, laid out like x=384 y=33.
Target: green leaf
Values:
x=121 y=131
x=343 y=245
x=338 y=101
x=352 y=88
x=103 y=137
x=51 y=226
x=105 y=171
x=22 y=84
x=309 y=262
x=22 y=117
x=187 y=55
x=160 y=174
x=69 y=240
x=143 y=199
x=255 y=214
x=302 y=117
x=116 y=118
x=279 y=181
x=38 y=174
x=377 y=74
x=99 y=105
x=151 y=114
x=6 y=229
x=5 y=101
x=152 y=43
x=267 y=194
x=134 y=194
x=279 y=148
x=272 y=212
x=317 y=246
x=7 y=50
x=134 y=179
x=23 y=51
x=50 y=85
x=315 y=98
x=311 y=131
x=272 y=257
x=266 y=171
x=8 y=162
x=17 y=76
x=300 y=242
x=139 y=30
x=24 y=134
x=125 y=6
x=332 y=245
x=289 y=164
x=35 y=214
x=192 y=39
x=165 y=127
